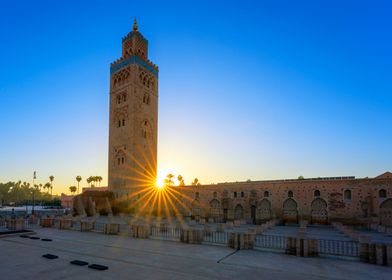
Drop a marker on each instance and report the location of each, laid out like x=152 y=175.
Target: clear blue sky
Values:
x=248 y=89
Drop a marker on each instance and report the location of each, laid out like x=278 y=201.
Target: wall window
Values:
x=316 y=193
x=382 y=193
x=235 y=194
x=120 y=159
x=290 y=194
x=146 y=131
x=347 y=195
x=266 y=194
x=214 y=194
x=146 y=99
x=197 y=195
x=121 y=123
x=121 y=98
x=242 y=194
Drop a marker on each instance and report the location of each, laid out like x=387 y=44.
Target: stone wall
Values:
x=322 y=201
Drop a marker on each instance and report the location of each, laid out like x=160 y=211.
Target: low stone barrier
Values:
x=241 y=241
x=291 y=247
x=140 y=231
x=46 y=222
x=15 y=224
x=65 y=223
x=111 y=228
x=86 y=225
x=191 y=236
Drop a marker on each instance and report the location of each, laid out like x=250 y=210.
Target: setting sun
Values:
x=161 y=176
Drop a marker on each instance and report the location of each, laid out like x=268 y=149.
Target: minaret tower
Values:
x=133 y=120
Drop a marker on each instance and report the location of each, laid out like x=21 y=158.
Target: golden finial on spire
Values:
x=135 y=25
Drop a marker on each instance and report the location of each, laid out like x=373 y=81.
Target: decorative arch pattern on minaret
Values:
x=134 y=82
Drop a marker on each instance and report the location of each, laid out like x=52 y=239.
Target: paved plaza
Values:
x=129 y=258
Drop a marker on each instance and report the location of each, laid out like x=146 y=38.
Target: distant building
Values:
x=97 y=189
x=66 y=200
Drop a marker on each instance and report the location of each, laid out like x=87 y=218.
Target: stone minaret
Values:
x=133 y=120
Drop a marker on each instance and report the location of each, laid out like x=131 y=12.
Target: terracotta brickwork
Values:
x=133 y=116
x=321 y=201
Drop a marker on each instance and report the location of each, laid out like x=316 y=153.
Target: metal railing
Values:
x=75 y=225
x=271 y=241
x=166 y=233
x=3 y=224
x=215 y=237
x=338 y=248
x=31 y=223
x=98 y=227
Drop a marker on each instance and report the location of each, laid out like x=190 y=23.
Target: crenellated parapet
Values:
x=123 y=62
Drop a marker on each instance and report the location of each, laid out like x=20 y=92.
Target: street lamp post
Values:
x=34 y=177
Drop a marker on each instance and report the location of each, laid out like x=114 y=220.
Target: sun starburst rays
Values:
x=144 y=198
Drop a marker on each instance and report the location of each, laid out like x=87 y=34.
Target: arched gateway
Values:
x=290 y=212
x=386 y=212
x=264 y=212
x=319 y=214
x=238 y=212
x=215 y=209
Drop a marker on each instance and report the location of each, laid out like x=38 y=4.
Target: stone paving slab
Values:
x=129 y=258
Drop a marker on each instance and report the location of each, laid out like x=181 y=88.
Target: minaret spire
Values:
x=135 y=28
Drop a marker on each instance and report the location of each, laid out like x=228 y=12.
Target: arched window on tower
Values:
x=382 y=193
x=146 y=98
x=316 y=193
x=290 y=194
x=347 y=195
x=146 y=131
x=266 y=194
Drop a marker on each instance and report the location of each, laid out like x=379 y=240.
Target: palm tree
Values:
x=99 y=179
x=72 y=189
x=89 y=180
x=51 y=178
x=47 y=186
x=168 y=181
x=196 y=182
x=78 y=178
x=181 y=181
